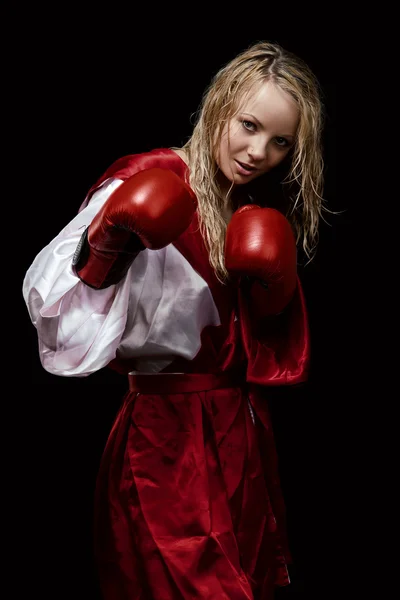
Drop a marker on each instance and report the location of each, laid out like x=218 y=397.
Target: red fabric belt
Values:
x=170 y=383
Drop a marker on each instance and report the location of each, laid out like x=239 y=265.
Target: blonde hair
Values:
x=303 y=184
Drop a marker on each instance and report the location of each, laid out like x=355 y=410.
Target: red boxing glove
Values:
x=151 y=209
x=260 y=246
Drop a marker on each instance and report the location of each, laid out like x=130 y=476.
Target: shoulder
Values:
x=182 y=154
x=130 y=164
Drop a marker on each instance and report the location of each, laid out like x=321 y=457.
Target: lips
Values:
x=244 y=169
x=246 y=166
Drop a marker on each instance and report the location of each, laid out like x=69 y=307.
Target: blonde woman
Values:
x=180 y=272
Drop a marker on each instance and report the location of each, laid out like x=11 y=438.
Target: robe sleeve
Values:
x=79 y=328
x=155 y=314
x=277 y=349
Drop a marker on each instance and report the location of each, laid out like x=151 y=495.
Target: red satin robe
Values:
x=188 y=499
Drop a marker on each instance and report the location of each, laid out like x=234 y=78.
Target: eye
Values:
x=281 y=142
x=249 y=125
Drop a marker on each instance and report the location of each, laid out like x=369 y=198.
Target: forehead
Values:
x=270 y=104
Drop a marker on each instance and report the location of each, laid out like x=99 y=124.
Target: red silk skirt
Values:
x=188 y=502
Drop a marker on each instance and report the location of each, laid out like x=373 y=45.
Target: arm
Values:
x=70 y=318
x=79 y=328
x=260 y=250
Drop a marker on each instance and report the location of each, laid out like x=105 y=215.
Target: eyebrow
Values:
x=288 y=135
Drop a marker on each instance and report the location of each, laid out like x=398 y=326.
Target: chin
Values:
x=243 y=179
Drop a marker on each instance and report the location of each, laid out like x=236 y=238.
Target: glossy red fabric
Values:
x=276 y=352
x=277 y=348
x=185 y=507
x=188 y=500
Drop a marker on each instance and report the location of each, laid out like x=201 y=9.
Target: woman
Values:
x=180 y=271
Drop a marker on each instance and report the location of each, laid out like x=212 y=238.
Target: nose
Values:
x=258 y=151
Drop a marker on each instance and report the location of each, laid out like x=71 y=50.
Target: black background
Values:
x=99 y=89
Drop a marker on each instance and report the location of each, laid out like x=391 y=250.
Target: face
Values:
x=259 y=137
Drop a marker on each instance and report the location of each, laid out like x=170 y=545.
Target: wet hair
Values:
x=296 y=185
